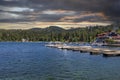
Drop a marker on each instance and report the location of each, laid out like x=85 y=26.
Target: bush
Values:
x=110 y=41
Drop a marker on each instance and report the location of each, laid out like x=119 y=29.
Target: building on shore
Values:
x=107 y=38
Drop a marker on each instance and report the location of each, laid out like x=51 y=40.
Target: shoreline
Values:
x=111 y=45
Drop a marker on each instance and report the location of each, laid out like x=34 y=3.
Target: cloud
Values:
x=16 y=9
x=92 y=17
x=62 y=10
x=10 y=0
x=109 y=8
x=112 y=10
x=5 y=15
x=58 y=12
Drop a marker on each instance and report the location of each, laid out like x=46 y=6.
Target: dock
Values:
x=87 y=49
x=111 y=53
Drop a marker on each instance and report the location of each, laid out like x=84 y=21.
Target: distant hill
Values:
x=49 y=29
x=53 y=29
x=36 y=29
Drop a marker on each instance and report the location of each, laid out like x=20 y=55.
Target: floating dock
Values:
x=93 y=51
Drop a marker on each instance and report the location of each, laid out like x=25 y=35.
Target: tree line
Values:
x=54 y=33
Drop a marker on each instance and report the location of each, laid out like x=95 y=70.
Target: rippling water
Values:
x=34 y=61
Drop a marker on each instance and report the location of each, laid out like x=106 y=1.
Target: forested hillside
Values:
x=54 y=33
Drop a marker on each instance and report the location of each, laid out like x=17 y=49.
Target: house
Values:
x=101 y=38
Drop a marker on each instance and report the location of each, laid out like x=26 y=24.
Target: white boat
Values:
x=86 y=47
x=97 y=44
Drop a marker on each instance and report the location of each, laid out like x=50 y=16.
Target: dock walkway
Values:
x=91 y=50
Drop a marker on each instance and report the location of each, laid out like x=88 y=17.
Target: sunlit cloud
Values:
x=65 y=25
x=84 y=17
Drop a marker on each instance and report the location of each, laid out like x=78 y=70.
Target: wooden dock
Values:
x=111 y=53
x=88 y=49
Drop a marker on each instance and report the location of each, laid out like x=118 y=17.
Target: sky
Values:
x=25 y=14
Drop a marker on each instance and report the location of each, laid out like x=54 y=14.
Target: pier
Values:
x=93 y=51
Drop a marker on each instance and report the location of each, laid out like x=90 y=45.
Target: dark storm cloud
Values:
x=109 y=8
x=10 y=3
x=112 y=10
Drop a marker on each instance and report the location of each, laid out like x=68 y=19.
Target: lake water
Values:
x=34 y=61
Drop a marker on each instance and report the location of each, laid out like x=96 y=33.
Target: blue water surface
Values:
x=34 y=61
